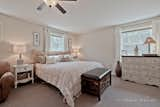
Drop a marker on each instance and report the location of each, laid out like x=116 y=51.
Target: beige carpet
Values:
x=120 y=94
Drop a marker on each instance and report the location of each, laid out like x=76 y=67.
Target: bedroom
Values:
x=89 y=34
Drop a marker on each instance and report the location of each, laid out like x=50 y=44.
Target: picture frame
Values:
x=36 y=39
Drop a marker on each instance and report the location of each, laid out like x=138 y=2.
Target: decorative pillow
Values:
x=51 y=60
x=40 y=59
x=38 y=56
x=67 y=58
x=71 y=57
x=58 y=58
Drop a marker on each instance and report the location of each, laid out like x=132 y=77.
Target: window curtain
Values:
x=117 y=47
x=118 y=43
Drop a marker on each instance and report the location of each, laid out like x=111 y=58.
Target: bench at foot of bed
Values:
x=96 y=81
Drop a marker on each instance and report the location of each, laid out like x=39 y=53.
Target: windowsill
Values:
x=140 y=56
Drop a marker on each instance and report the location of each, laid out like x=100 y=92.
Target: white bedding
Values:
x=66 y=76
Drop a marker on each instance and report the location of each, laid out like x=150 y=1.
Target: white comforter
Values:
x=66 y=76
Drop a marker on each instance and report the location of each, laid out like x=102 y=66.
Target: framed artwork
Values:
x=36 y=39
x=69 y=44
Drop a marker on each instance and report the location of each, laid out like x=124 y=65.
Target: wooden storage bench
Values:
x=96 y=81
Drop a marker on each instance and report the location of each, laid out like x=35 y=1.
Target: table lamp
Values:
x=19 y=49
x=148 y=41
x=76 y=52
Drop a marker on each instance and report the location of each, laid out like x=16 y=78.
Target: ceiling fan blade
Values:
x=40 y=7
x=67 y=0
x=60 y=8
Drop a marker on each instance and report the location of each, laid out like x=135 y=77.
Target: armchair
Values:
x=6 y=80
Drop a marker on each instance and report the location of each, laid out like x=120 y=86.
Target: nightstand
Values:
x=24 y=69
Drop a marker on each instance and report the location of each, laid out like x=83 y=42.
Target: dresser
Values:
x=143 y=70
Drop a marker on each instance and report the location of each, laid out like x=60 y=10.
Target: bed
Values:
x=66 y=76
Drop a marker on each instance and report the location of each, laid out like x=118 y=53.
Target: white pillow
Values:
x=58 y=58
x=50 y=60
x=53 y=59
x=70 y=57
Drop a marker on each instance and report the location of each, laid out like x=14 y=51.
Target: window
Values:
x=57 y=43
x=133 y=38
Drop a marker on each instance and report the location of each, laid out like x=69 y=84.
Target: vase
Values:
x=136 y=51
x=118 y=69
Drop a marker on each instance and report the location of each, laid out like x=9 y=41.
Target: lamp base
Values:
x=19 y=61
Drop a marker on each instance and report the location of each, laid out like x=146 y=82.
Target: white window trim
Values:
x=135 y=29
x=134 y=26
x=156 y=33
x=155 y=22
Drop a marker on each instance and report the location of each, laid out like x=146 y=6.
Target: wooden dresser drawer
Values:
x=24 y=68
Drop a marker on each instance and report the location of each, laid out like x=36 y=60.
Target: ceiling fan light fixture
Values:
x=51 y=3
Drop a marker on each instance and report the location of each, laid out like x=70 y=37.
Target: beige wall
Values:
x=103 y=45
x=17 y=31
x=99 y=46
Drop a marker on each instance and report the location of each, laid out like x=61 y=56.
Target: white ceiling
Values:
x=84 y=15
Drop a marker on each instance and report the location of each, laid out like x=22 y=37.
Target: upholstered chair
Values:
x=6 y=80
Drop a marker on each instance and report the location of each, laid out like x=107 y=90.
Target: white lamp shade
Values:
x=76 y=51
x=51 y=2
x=149 y=40
x=19 y=49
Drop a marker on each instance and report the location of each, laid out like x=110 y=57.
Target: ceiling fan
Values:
x=53 y=3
